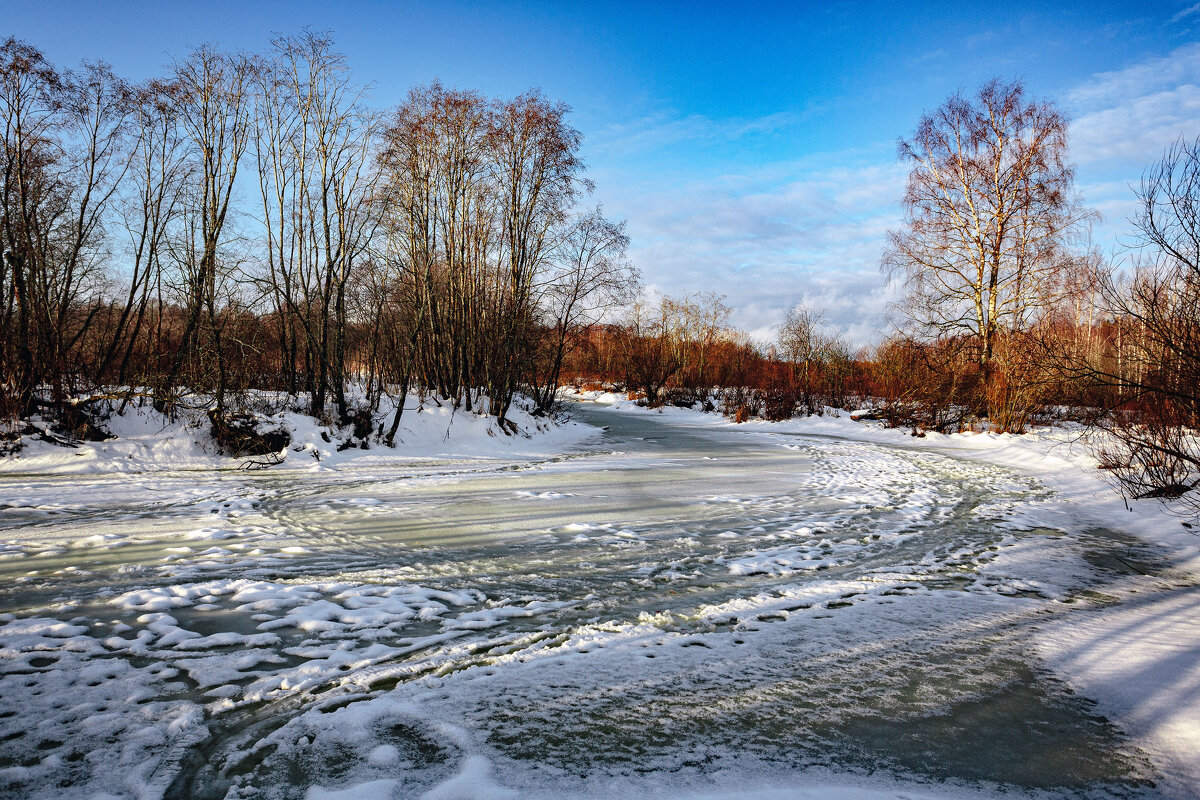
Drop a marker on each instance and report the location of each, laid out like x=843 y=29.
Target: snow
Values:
x=1061 y=457
x=473 y=782
x=147 y=442
x=383 y=789
x=1141 y=661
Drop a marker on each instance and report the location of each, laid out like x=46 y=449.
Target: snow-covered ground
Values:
x=677 y=606
x=146 y=442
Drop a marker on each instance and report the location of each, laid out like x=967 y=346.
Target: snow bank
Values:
x=1141 y=661
x=147 y=442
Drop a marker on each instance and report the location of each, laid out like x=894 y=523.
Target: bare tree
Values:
x=537 y=176
x=1152 y=361
x=989 y=207
x=589 y=275
x=29 y=98
x=803 y=344
x=652 y=350
x=66 y=143
x=439 y=224
x=669 y=345
x=477 y=195
x=157 y=174
x=214 y=112
x=702 y=322
x=313 y=138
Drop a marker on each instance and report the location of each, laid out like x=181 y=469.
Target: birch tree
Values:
x=989 y=208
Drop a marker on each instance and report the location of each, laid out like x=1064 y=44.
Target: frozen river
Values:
x=671 y=610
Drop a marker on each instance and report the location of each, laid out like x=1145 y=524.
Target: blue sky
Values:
x=751 y=146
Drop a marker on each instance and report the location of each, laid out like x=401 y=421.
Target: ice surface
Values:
x=682 y=608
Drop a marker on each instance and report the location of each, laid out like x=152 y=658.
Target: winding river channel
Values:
x=669 y=609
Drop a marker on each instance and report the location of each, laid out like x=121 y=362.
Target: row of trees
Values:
x=683 y=351
x=249 y=221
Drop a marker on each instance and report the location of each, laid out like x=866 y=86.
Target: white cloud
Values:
x=1128 y=117
x=1163 y=73
x=1124 y=120
x=1187 y=12
x=661 y=129
x=768 y=243
x=1137 y=129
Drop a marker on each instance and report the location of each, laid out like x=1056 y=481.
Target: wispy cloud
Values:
x=1137 y=128
x=1187 y=12
x=666 y=128
x=1155 y=75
